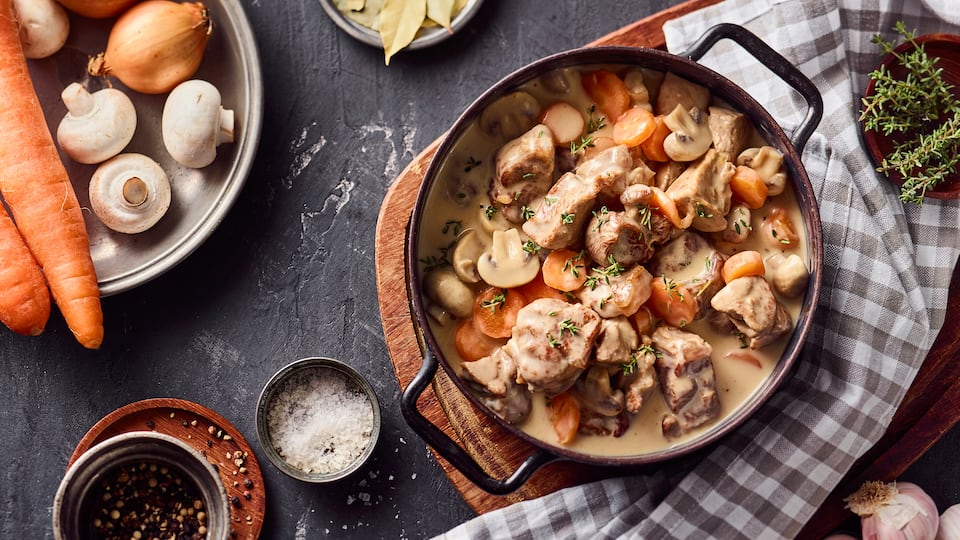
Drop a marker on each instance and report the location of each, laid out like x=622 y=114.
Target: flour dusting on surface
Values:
x=215 y=349
x=303 y=153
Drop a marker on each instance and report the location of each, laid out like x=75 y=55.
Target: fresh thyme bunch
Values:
x=919 y=107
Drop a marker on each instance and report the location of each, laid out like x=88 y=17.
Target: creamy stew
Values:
x=613 y=259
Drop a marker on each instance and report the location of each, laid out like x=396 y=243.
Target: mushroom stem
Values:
x=135 y=191
x=225 y=131
x=78 y=100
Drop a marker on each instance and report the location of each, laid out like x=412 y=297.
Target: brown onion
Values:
x=155 y=46
x=97 y=9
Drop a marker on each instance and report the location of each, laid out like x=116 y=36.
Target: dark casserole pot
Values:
x=685 y=66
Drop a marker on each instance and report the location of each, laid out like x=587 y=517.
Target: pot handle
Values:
x=776 y=63
x=447 y=448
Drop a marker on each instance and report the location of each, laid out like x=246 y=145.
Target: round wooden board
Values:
x=168 y=416
x=495 y=449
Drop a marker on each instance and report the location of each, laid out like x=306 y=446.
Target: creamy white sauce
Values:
x=460 y=195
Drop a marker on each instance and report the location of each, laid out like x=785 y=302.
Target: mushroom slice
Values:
x=691 y=135
x=466 y=253
x=507 y=264
x=97 y=126
x=768 y=162
x=194 y=123
x=510 y=116
x=129 y=193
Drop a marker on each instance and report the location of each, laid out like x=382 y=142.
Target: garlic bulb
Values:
x=950 y=524
x=894 y=511
x=155 y=46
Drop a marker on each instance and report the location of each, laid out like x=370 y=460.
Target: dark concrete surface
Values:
x=289 y=273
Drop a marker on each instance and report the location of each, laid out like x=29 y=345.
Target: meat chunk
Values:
x=613 y=292
x=638 y=201
x=667 y=174
x=693 y=264
x=558 y=222
x=731 y=131
x=601 y=405
x=639 y=377
x=524 y=171
x=754 y=310
x=702 y=192
x=494 y=378
x=676 y=90
x=616 y=342
x=551 y=344
x=616 y=234
x=687 y=380
x=613 y=169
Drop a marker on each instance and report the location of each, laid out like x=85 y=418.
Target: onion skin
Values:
x=155 y=46
x=97 y=9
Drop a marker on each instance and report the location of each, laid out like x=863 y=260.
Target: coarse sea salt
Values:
x=320 y=421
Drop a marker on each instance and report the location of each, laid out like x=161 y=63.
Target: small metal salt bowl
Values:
x=277 y=381
x=71 y=503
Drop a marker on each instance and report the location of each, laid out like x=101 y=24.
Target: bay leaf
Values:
x=399 y=22
x=440 y=12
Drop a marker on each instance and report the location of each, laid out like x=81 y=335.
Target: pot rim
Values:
x=720 y=87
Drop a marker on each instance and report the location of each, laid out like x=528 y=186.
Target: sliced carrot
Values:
x=667 y=207
x=748 y=187
x=39 y=194
x=671 y=302
x=778 y=229
x=634 y=126
x=563 y=410
x=608 y=91
x=564 y=120
x=742 y=264
x=537 y=289
x=472 y=344
x=24 y=297
x=564 y=270
x=653 y=146
x=495 y=311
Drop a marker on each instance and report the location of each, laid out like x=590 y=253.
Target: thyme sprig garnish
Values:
x=921 y=111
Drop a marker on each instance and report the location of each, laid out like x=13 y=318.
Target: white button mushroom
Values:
x=467 y=252
x=44 y=27
x=443 y=287
x=97 y=126
x=690 y=137
x=507 y=265
x=768 y=162
x=787 y=274
x=129 y=193
x=194 y=123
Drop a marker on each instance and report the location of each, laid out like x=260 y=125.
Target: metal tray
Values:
x=425 y=38
x=201 y=197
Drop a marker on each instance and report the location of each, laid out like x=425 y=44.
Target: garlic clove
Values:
x=130 y=193
x=194 y=123
x=949 y=524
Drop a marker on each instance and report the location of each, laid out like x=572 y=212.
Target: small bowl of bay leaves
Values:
x=910 y=115
x=394 y=25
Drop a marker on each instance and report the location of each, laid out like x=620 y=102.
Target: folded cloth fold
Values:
x=887 y=271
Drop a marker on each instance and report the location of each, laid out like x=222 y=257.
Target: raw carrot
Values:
x=634 y=126
x=473 y=345
x=37 y=189
x=24 y=298
x=564 y=270
x=495 y=311
x=742 y=264
x=653 y=146
x=608 y=91
x=747 y=186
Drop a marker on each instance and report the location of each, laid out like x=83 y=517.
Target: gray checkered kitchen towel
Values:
x=887 y=270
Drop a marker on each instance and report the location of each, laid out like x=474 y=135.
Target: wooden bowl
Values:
x=946 y=47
